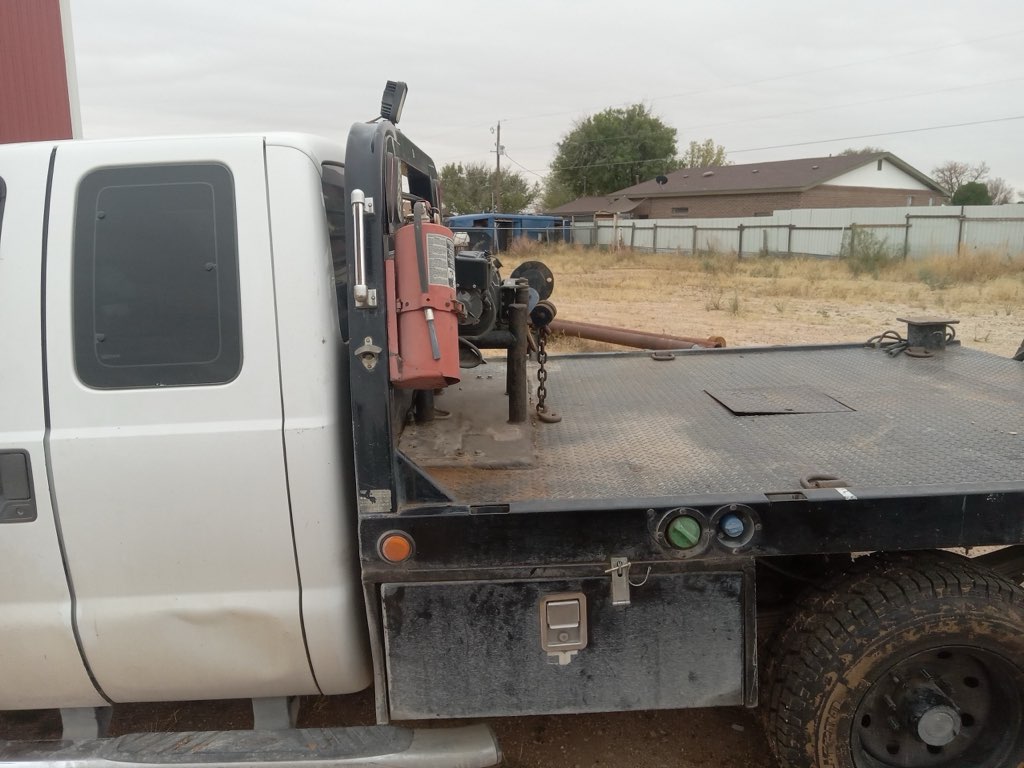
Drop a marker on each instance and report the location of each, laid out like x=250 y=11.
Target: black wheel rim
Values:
x=950 y=706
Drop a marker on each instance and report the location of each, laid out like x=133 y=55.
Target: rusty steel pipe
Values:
x=629 y=338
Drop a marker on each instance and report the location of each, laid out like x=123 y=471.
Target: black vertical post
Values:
x=906 y=238
x=371 y=396
x=370 y=390
x=960 y=231
x=516 y=375
x=497 y=178
x=423 y=403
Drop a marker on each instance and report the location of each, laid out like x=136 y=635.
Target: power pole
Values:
x=498 y=149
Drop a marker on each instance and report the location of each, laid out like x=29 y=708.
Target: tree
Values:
x=613 y=149
x=469 y=188
x=952 y=175
x=971 y=193
x=555 y=194
x=703 y=154
x=862 y=151
x=1000 y=191
x=465 y=189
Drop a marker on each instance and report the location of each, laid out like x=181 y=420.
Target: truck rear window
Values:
x=156 y=297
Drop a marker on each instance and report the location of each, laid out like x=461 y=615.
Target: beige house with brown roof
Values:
x=758 y=189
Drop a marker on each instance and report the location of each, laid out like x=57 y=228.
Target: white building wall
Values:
x=868 y=175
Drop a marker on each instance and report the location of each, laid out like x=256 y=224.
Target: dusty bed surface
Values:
x=734 y=421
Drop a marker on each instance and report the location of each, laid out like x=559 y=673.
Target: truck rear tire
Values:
x=909 y=660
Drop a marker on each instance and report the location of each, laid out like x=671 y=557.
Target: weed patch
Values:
x=864 y=252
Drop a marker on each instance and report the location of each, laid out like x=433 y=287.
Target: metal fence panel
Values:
x=605 y=235
x=673 y=238
x=998 y=236
x=912 y=232
x=994 y=211
x=932 y=236
x=584 y=233
x=642 y=235
x=813 y=241
x=718 y=239
x=763 y=238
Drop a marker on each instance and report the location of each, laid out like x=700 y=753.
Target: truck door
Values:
x=39 y=659
x=165 y=399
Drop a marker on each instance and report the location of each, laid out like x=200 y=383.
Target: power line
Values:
x=857 y=103
x=813 y=142
x=515 y=162
x=877 y=135
x=794 y=112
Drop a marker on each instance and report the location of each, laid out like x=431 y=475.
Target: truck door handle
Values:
x=16 y=502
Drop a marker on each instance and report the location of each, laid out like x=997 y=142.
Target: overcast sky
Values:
x=752 y=76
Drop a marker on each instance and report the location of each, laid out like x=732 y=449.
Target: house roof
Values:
x=599 y=204
x=583 y=205
x=621 y=205
x=778 y=176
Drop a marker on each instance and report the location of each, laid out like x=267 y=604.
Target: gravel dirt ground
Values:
x=761 y=301
x=755 y=302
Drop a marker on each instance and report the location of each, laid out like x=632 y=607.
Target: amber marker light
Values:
x=395 y=546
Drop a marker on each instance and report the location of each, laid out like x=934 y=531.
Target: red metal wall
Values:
x=33 y=79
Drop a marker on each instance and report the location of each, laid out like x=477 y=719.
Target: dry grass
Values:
x=759 y=300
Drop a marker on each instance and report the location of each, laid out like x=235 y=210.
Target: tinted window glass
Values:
x=156 y=277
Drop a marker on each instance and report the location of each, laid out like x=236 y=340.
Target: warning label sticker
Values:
x=441 y=260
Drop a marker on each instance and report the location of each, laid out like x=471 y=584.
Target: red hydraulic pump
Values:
x=423 y=325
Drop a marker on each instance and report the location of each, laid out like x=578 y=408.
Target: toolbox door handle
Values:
x=16 y=502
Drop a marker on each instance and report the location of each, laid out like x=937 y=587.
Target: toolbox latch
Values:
x=563 y=625
x=620 y=580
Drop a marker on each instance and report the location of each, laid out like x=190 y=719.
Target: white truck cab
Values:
x=174 y=414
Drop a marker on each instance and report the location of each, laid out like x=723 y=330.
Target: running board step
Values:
x=377 y=746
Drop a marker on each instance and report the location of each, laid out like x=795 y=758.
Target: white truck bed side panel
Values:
x=320 y=469
x=39 y=660
x=173 y=499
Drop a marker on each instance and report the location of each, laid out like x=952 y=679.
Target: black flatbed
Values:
x=638 y=427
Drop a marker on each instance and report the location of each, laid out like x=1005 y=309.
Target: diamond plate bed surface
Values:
x=637 y=427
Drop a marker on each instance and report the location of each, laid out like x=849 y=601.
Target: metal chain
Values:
x=548 y=417
x=542 y=374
